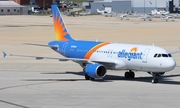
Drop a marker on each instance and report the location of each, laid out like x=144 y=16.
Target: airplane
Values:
x=85 y=13
x=34 y=10
x=126 y=15
x=110 y=14
x=97 y=57
x=156 y=12
x=146 y=17
x=167 y=18
x=123 y=16
x=102 y=12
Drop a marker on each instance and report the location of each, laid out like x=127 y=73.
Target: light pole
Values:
x=144 y=6
x=44 y=5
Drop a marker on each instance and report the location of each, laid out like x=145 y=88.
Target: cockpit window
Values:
x=159 y=55
x=169 y=55
x=164 y=55
x=155 y=55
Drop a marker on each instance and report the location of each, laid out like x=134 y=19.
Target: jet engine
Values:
x=95 y=70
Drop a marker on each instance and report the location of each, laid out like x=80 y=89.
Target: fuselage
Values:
x=125 y=56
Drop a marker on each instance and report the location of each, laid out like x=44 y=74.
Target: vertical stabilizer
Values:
x=59 y=25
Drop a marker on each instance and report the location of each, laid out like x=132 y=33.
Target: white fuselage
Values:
x=135 y=57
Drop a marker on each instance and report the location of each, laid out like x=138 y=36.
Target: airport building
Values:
x=139 y=6
x=12 y=8
x=22 y=2
x=44 y=3
x=40 y=3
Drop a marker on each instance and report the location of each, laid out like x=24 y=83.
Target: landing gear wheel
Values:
x=87 y=77
x=155 y=80
x=92 y=78
x=131 y=74
x=126 y=75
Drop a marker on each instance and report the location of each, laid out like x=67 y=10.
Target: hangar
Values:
x=12 y=8
x=139 y=6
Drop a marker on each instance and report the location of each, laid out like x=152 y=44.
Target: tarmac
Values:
x=30 y=83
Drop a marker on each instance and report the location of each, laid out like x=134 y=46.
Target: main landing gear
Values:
x=129 y=74
x=87 y=77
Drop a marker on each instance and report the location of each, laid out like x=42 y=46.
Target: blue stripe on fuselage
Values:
x=74 y=49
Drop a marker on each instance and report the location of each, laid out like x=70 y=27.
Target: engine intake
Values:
x=95 y=70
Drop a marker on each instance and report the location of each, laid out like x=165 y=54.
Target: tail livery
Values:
x=59 y=26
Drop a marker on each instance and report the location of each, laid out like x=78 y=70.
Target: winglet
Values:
x=4 y=54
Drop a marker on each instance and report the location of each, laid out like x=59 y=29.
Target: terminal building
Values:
x=139 y=6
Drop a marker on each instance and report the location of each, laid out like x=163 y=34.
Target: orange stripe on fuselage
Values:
x=91 y=51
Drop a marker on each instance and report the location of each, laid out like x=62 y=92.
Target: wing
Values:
x=44 y=57
x=107 y=63
x=176 y=51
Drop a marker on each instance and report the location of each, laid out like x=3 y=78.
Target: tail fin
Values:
x=59 y=26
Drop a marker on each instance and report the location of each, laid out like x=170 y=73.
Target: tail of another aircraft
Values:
x=59 y=25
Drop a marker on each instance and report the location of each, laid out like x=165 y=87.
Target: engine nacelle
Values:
x=95 y=70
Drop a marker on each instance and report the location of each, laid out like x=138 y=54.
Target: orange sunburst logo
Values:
x=59 y=27
x=133 y=49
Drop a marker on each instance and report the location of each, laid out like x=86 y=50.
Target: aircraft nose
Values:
x=170 y=64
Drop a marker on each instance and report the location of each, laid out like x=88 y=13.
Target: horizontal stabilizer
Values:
x=41 y=45
x=4 y=54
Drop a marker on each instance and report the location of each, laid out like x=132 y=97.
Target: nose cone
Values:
x=169 y=64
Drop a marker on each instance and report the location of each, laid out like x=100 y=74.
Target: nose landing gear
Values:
x=154 y=80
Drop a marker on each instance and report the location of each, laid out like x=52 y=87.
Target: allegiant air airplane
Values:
x=97 y=57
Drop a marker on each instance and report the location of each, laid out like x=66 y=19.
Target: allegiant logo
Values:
x=130 y=55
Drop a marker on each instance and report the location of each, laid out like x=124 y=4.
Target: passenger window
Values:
x=164 y=55
x=159 y=55
x=155 y=55
x=169 y=55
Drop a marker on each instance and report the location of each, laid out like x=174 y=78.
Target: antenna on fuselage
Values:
x=152 y=44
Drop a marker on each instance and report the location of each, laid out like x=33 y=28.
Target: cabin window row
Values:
x=97 y=51
x=8 y=10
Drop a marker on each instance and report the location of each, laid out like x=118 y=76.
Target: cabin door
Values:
x=64 y=48
x=145 y=55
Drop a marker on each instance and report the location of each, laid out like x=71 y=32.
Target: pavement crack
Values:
x=14 y=104
x=24 y=85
